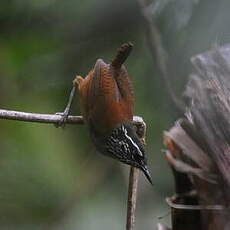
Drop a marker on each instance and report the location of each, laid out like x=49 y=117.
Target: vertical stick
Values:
x=132 y=198
x=133 y=179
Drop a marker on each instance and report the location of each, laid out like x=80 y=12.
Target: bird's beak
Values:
x=147 y=174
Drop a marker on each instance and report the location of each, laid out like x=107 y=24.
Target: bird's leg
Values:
x=65 y=114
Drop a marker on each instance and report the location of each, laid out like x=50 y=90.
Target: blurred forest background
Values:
x=52 y=178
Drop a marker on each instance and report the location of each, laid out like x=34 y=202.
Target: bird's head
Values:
x=124 y=145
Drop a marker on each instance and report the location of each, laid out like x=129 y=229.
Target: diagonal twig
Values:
x=158 y=52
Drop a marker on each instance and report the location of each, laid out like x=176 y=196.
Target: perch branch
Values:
x=37 y=117
x=132 y=198
x=133 y=179
x=53 y=118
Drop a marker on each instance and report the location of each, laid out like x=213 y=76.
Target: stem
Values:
x=37 y=117
x=132 y=198
x=50 y=118
x=68 y=106
x=133 y=177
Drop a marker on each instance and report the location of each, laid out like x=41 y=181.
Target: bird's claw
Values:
x=62 y=121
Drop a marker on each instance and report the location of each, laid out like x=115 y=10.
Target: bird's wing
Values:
x=110 y=97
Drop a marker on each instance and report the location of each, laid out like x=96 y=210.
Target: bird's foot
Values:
x=62 y=122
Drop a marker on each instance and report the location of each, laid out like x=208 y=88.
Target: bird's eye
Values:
x=135 y=128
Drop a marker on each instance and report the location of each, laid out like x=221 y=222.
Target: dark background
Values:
x=52 y=178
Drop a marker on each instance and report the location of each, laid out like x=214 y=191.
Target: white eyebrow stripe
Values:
x=139 y=151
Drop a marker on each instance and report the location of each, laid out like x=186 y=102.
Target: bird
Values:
x=107 y=104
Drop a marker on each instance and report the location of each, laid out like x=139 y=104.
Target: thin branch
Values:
x=158 y=52
x=133 y=178
x=37 y=117
x=132 y=197
x=53 y=118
